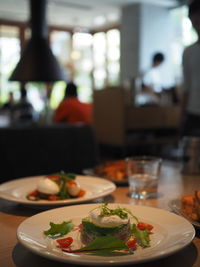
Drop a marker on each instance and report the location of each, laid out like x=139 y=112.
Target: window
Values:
x=106 y=53
x=99 y=55
x=82 y=57
x=90 y=60
x=75 y=55
x=113 y=56
x=61 y=47
x=9 y=56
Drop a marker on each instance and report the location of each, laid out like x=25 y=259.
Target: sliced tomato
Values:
x=80 y=227
x=131 y=243
x=143 y=226
x=81 y=193
x=53 y=197
x=149 y=227
x=65 y=242
x=33 y=194
x=71 y=183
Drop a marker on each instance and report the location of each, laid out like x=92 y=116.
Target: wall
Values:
x=145 y=29
x=130 y=43
x=156 y=33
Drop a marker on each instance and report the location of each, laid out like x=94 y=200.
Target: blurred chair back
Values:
x=116 y=119
x=28 y=151
x=109 y=115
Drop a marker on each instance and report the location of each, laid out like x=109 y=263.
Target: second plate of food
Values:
x=18 y=190
x=114 y=171
x=186 y=207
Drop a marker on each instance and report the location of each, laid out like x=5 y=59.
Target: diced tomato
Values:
x=131 y=244
x=53 y=177
x=80 y=227
x=149 y=227
x=143 y=226
x=71 y=183
x=33 y=194
x=81 y=193
x=53 y=197
x=65 y=242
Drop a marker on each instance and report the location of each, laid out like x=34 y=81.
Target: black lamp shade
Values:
x=37 y=62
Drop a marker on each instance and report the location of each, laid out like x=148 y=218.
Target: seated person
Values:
x=10 y=103
x=71 y=110
x=23 y=111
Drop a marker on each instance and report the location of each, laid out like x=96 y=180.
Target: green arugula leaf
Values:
x=69 y=176
x=94 y=229
x=120 y=212
x=104 y=245
x=59 y=230
x=142 y=236
x=63 y=194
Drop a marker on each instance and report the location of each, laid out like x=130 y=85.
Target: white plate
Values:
x=172 y=233
x=175 y=205
x=17 y=190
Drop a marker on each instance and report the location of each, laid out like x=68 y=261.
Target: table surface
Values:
x=173 y=184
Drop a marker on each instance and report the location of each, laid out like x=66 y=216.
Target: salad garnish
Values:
x=121 y=239
x=58 y=230
x=120 y=212
x=103 y=245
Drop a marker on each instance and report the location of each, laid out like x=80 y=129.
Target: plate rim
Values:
x=167 y=252
x=56 y=202
x=184 y=215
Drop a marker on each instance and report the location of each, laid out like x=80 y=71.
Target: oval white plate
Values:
x=17 y=190
x=175 y=205
x=172 y=233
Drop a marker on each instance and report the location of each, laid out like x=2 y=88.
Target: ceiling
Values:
x=76 y=13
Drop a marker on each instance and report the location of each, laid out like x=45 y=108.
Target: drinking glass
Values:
x=143 y=174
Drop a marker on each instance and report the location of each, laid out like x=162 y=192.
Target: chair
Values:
x=118 y=122
x=28 y=151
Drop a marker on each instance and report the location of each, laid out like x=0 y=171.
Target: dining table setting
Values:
x=34 y=226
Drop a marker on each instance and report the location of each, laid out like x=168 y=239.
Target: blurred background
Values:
x=88 y=37
x=104 y=47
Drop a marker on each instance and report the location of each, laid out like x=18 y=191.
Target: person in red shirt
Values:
x=71 y=110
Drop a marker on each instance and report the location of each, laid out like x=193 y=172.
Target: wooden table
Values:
x=172 y=185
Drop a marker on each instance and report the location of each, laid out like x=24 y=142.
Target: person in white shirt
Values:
x=191 y=76
x=152 y=78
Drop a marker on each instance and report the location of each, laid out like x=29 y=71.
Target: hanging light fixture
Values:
x=37 y=62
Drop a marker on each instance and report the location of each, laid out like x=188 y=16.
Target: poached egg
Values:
x=107 y=221
x=73 y=188
x=47 y=186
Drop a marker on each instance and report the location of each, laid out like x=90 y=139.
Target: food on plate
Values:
x=112 y=169
x=191 y=205
x=104 y=221
x=103 y=231
x=57 y=187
